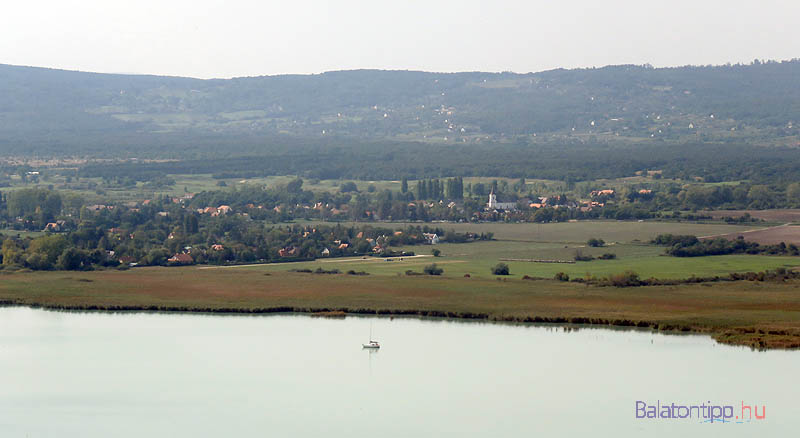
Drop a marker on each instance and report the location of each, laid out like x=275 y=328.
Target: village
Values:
x=133 y=228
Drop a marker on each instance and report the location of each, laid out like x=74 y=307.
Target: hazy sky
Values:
x=225 y=38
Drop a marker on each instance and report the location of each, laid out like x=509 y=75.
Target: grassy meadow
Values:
x=477 y=258
x=561 y=241
x=576 y=232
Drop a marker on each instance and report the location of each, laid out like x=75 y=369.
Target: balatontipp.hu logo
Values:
x=705 y=412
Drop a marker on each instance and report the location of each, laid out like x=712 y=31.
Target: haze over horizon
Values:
x=247 y=38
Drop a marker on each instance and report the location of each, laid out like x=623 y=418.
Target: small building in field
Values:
x=431 y=238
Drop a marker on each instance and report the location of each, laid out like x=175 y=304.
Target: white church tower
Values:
x=492 y=199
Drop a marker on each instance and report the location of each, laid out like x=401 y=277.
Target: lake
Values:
x=71 y=374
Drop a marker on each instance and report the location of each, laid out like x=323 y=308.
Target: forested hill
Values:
x=757 y=103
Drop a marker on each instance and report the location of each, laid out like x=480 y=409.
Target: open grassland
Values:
x=562 y=241
x=575 y=232
x=763 y=315
x=477 y=258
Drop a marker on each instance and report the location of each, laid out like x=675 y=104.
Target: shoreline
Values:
x=760 y=340
x=760 y=315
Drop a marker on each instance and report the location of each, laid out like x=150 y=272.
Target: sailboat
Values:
x=371 y=344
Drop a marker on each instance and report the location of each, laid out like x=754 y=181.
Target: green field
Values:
x=477 y=258
x=577 y=232
x=21 y=233
x=560 y=241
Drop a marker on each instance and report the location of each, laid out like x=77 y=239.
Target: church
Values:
x=494 y=205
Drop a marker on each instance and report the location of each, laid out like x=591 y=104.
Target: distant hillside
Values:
x=757 y=103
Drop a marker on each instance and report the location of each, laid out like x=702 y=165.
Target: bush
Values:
x=323 y=271
x=579 y=257
x=436 y=253
x=500 y=269
x=561 y=277
x=433 y=270
x=625 y=279
x=348 y=187
x=595 y=243
x=608 y=256
x=72 y=259
x=352 y=272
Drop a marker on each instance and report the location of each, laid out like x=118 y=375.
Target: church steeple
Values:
x=492 y=199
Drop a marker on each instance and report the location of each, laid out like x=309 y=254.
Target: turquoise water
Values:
x=65 y=374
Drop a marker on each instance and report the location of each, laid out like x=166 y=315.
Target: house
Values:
x=344 y=246
x=287 y=252
x=127 y=260
x=217 y=247
x=55 y=227
x=606 y=192
x=431 y=238
x=224 y=209
x=326 y=252
x=182 y=259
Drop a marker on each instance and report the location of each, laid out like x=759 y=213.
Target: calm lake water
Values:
x=65 y=374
